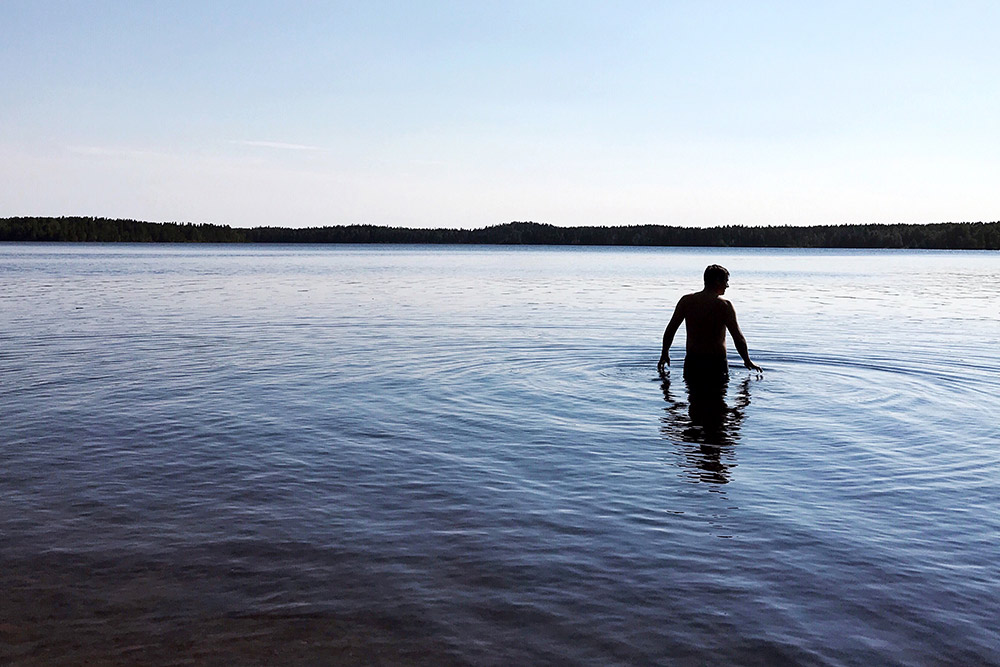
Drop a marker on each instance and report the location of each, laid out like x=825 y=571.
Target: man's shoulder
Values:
x=689 y=300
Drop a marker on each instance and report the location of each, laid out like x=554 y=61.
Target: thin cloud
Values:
x=277 y=144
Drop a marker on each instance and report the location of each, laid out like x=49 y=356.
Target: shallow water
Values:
x=433 y=454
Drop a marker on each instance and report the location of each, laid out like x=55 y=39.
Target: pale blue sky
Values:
x=466 y=114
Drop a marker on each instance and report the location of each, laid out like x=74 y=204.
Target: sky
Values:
x=476 y=113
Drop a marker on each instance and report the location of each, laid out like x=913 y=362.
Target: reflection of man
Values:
x=706 y=430
x=707 y=316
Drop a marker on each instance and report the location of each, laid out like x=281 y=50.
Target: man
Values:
x=707 y=316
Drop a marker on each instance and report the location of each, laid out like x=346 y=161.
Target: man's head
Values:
x=716 y=278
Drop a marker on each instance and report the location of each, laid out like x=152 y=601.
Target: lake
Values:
x=454 y=455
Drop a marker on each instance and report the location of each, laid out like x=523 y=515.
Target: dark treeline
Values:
x=946 y=235
x=106 y=230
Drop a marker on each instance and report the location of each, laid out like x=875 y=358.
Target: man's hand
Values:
x=664 y=361
x=752 y=366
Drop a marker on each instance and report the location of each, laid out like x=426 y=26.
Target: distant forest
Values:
x=946 y=235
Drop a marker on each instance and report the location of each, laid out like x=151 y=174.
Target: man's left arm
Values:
x=668 y=336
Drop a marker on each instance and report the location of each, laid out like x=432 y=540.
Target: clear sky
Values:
x=474 y=113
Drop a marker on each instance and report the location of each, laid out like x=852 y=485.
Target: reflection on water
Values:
x=707 y=427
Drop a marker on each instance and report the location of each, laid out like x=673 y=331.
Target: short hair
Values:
x=716 y=275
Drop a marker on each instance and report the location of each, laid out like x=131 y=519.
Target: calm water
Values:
x=464 y=455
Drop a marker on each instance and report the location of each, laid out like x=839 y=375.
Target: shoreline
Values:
x=931 y=236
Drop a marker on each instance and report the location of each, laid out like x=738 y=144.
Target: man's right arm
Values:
x=740 y=340
x=669 y=333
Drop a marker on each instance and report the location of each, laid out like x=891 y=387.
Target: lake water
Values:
x=288 y=454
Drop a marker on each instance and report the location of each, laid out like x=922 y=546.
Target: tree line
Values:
x=107 y=230
x=945 y=235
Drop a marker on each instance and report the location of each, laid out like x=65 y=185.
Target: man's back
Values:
x=706 y=316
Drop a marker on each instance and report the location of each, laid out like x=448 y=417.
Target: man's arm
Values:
x=668 y=335
x=740 y=340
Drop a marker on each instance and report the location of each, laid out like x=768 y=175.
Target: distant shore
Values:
x=944 y=236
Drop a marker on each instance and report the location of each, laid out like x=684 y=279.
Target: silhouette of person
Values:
x=707 y=316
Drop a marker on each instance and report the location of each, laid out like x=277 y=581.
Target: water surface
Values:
x=464 y=455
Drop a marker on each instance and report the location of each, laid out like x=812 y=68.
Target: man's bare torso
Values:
x=706 y=316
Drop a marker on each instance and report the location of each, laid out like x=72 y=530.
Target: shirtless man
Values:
x=708 y=316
